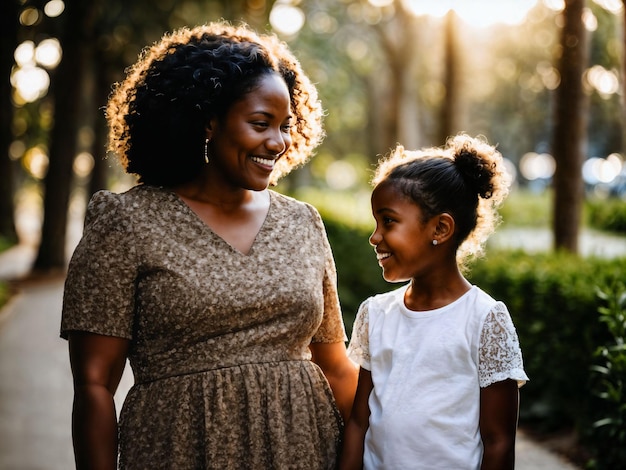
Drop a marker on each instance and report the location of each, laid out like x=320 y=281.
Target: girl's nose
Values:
x=375 y=238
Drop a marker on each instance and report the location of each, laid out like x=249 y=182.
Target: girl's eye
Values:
x=286 y=128
x=387 y=220
x=260 y=124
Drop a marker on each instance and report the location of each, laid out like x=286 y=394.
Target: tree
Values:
x=66 y=87
x=9 y=25
x=569 y=136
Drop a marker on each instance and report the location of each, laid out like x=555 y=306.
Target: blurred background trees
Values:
x=541 y=78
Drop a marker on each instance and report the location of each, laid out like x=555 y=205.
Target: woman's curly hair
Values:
x=466 y=178
x=157 y=115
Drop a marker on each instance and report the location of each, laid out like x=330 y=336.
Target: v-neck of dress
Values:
x=207 y=227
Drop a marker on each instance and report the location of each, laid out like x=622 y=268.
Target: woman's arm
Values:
x=352 y=454
x=499 y=403
x=340 y=372
x=97 y=364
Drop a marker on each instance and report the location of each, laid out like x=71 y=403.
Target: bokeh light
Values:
x=48 y=53
x=605 y=82
x=535 y=166
x=341 y=175
x=30 y=82
x=286 y=19
x=35 y=161
x=54 y=8
x=602 y=170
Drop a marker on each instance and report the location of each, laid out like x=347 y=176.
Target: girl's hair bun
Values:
x=477 y=171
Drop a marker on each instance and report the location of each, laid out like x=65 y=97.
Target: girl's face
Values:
x=403 y=244
x=253 y=135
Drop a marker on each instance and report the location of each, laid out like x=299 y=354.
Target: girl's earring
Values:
x=206 y=150
x=435 y=242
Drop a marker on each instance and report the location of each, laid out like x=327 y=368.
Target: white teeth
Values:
x=264 y=161
x=382 y=256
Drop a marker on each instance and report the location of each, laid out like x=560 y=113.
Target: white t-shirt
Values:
x=427 y=368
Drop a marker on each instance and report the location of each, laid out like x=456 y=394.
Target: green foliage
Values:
x=607 y=214
x=606 y=434
x=524 y=208
x=551 y=297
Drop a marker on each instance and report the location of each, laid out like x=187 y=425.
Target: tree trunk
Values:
x=66 y=87
x=452 y=109
x=569 y=136
x=8 y=23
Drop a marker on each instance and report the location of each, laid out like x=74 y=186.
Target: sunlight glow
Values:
x=476 y=12
x=286 y=19
x=555 y=5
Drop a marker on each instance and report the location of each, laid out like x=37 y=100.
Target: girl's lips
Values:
x=381 y=257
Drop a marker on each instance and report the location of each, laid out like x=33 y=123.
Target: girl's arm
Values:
x=354 y=437
x=340 y=372
x=97 y=364
x=499 y=403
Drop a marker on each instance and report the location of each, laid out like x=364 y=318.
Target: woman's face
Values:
x=255 y=132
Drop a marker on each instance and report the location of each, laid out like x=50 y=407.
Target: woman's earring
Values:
x=206 y=150
x=435 y=242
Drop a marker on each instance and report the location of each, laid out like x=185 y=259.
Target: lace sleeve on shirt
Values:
x=500 y=357
x=359 y=347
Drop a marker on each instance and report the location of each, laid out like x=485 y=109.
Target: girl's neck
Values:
x=435 y=291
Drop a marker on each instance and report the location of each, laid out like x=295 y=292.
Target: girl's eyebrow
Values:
x=386 y=209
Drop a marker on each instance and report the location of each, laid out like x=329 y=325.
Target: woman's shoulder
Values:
x=294 y=206
x=111 y=205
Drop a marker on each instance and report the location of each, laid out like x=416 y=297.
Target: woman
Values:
x=220 y=292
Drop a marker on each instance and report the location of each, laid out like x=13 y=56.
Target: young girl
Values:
x=440 y=359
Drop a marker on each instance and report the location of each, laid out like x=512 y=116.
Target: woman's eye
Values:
x=286 y=128
x=387 y=220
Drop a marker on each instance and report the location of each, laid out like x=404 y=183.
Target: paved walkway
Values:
x=36 y=384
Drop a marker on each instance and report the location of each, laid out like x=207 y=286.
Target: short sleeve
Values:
x=100 y=285
x=359 y=347
x=332 y=329
x=500 y=356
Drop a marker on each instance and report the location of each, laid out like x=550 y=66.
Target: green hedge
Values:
x=605 y=433
x=552 y=299
x=607 y=214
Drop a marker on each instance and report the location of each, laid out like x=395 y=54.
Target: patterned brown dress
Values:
x=219 y=339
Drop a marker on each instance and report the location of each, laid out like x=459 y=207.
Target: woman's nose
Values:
x=278 y=143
